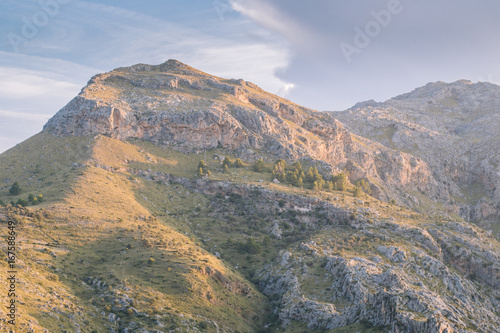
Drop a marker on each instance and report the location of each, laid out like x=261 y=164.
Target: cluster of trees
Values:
x=297 y=176
x=32 y=200
x=15 y=190
x=227 y=163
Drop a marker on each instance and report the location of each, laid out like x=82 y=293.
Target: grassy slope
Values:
x=103 y=232
x=106 y=224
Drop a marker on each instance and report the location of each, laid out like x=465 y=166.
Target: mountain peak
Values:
x=172 y=66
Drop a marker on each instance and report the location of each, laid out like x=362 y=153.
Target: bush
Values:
x=15 y=189
x=22 y=202
x=151 y=261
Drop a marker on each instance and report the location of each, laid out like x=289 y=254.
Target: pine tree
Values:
x=300 y=182
x=227 y=162
x=282 y=177
x=329 y=185
x=310 y=175
x=315 y=186
x=203 y=167
x=297 y=166
x=341 y=181
x=357 y=192
x=238 y=163
x=15 y=189
x=279 y=166
x=259 y=165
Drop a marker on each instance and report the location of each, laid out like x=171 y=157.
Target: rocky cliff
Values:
x=175 y=105
x=454 y=129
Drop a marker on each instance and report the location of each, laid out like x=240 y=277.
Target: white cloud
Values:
x=257 y=63
x=33 y=89
x=273 y=19
x=286 y=89
x=19 y=83
x=24 y=116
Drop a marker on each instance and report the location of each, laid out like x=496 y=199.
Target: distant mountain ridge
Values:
x=454 y=128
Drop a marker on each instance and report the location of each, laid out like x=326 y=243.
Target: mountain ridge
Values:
x=453 y=127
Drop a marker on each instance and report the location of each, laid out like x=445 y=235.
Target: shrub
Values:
x=151 y=261
x=22 y=202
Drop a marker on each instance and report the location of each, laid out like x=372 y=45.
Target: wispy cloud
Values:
x=19 y=83
x=32 y=89
x=24 y=116
x=276 y=20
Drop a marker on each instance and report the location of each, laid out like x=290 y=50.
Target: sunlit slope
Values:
x=92 y=244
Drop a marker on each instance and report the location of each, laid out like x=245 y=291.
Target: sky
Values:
x=323 y=54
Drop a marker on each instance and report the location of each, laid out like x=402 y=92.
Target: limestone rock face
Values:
x=176 y=105
x=454 y=128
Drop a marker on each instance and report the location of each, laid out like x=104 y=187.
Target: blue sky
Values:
x=324 y=54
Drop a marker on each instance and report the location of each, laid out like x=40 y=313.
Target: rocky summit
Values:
x=165 y=199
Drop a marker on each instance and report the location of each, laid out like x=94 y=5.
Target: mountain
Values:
x=177 y=106
x=173 y=201
x=454 y=129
